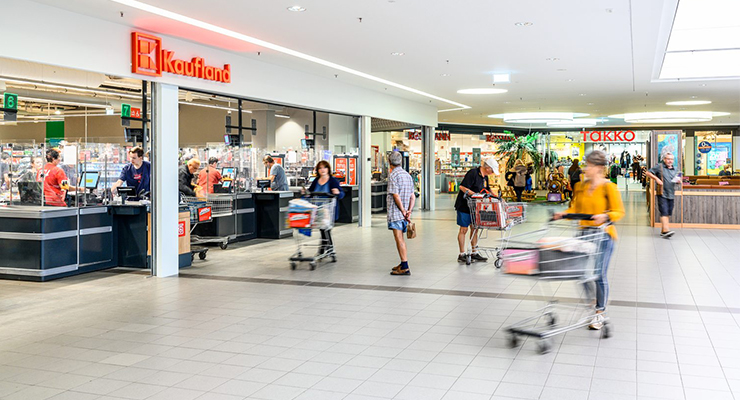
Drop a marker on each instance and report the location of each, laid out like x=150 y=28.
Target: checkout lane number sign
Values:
x=704 y=147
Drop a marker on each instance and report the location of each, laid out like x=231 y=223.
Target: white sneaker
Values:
x=597 y=322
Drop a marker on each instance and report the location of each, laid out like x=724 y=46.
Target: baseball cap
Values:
x=491 y=162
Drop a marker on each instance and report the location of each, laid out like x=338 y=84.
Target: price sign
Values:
x=135 y=112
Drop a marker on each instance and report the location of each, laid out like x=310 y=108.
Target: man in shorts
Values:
x=401 y=200
x=474 y=182
x=665 y=175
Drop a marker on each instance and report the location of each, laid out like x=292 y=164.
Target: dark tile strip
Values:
x=441 y=292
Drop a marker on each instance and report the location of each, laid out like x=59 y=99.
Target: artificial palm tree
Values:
x=520 y=148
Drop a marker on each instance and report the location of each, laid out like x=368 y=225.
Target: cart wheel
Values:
x=333 y=258
x=292 y=266
x=513 y=341
x=552 y=320
x=223 y=246
x=468 y=259
x=606 y=331
x=202 y=255
x=312 y=264
x=498 y=263
x=544 y=346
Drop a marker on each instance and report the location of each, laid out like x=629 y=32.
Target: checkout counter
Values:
x=379 y=192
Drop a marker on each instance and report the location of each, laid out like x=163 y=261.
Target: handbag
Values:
x=659 y=188
x=411 y=230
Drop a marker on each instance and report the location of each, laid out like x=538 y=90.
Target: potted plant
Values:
x=521 y=148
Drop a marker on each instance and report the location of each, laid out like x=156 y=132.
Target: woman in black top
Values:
x=574 y=173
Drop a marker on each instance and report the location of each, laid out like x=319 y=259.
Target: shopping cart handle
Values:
x=321 y=194
x=579 y=217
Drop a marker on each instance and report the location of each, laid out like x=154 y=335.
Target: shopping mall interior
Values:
x=286 y=199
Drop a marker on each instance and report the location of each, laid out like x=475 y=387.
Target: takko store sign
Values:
x=608 y=136
x=148 y=57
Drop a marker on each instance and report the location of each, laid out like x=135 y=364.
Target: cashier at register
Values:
x=186 y=175
x=136 y=174
x=209 y=176
x=277 y=174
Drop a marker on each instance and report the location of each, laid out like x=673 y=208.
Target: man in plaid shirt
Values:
x=400 y=205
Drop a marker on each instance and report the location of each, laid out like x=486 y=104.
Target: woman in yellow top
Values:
x=599 y=197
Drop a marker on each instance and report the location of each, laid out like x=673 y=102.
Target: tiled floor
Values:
x=243 y=325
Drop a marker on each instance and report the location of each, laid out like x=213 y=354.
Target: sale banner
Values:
x=352 y=175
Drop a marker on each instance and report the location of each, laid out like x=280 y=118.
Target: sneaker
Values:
x=667 y=234
x=478 y=257
x=597 y=322
x=404 y=271
x=462 y=258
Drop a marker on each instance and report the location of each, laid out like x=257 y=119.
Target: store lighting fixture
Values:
x=501 y=78
x=661 y=117
x=576 y=123
x=482 y=91
x=552 y=59
x=444 y=75
x=262 y=43
x=296 y=9
x=704 y=41
x=72 y=88
x=213 y=106
x=523 y=24
x=688 y=103
x=109 y=110
x=57 y=112
x=282 y=116
x=64 y=102
x=537 y=117
x=397 y=53
x=451 y=109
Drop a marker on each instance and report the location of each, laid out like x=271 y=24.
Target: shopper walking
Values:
x=597 y=196
x=574 y=175
x=635 y=169
x=401 y=200
x=518 y=176
x=665 y=177
x=325 y=183
x=474 y=181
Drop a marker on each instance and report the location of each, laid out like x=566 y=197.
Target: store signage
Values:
x=704 y=147
x=498 y=136
x=149 y=58
x=10 y=101
x=414 y=135
x=181 y=228
x=609 y=136
x=340 y=165
x=125 y=110
x=352 y=175
x=442 y=136
x=135 y=112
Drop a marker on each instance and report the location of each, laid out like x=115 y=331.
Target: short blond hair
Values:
x=194 y=161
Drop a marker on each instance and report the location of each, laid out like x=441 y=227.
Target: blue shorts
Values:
x=398 y=225
x=463 y=219
x=665 y=206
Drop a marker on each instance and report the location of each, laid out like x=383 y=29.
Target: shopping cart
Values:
x=569 y=256
x=488 y=212
x=307 y=215
x=201 y=212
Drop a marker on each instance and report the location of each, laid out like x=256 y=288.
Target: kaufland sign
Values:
x=608 y=136
x=148 y=57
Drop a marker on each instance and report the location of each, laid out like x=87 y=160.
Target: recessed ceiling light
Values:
x=296 y=9
x=552 y=59
x=501 y=78
x=444 y=75
x=570 y=80
x=576 y=123
x=57 y=112
x=662 y=117
x=582 y=94
x=688 y=103
x=703 y=84
x=523 y=24
x=397 y=53
x=170 y=15
x=590 y=104
x=482 y=91
x=561 y=70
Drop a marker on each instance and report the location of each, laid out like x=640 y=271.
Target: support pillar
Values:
x=365 y=171
x=427 y=168
x=165 y=113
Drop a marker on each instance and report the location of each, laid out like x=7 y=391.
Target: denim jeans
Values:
x=601 y=268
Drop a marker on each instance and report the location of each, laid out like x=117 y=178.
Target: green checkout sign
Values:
x=10 y=101
x=126 y=110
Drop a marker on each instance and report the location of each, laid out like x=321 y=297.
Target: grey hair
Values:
x=395 y=158
x=597 y=157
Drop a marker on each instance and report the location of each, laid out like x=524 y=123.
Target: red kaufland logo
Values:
x=609 y=136
x=149 y=58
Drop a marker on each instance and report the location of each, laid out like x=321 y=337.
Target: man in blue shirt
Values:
x=277 y=174
x=137 y=174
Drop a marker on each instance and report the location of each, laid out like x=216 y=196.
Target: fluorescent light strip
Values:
x=76 y=89
x=69 y=103
x=282 y=116
x=249 y=39
x=212 y=106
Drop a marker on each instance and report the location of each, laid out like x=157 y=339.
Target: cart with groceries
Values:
x=564 y=250
x=489 y=212
x=307 y=215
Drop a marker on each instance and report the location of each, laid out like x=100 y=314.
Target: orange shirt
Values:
x=605 y=199
x=53 y=193
x=208 y=177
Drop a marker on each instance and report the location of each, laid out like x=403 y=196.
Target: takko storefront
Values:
x=88 y=53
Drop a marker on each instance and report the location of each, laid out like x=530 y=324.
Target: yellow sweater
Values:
x=603 y=199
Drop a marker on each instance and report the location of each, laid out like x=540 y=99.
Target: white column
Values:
x=427 y=169
x=164 y=180
x=365 y=172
